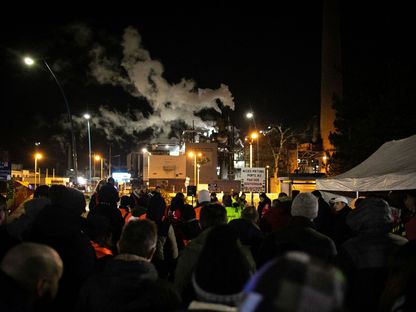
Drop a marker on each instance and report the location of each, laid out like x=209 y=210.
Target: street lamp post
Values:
x=98 y=157
x=195 y=155
x=145 y=151
x=267 y=178
x=250 y=115
x=253 y=136
x=37 y=156
x=197 y=176
x=87 y=117
x=29 y=61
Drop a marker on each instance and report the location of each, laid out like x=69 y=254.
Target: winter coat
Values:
x=127 y=286
x=298 y=235
x=365 y=257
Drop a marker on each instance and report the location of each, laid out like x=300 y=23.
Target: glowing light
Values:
x=28 y=61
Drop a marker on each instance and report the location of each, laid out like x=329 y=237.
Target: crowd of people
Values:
x=148 y=252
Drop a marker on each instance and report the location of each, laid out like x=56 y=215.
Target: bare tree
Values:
x=277 y=137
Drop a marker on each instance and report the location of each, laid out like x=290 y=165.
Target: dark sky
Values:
x=270 y=63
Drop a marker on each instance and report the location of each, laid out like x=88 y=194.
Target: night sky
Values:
x=266 y=63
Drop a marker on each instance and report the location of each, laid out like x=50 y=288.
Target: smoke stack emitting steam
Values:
x=171 y=103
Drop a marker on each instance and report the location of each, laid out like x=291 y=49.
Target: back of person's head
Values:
x=108 y=194
x=187 y=212
x=72 y=200
x=177 y=202
x=111 y=181
x=35 y=267
x=3 y=210
x=100 y=184
x=372 y=213
x=222 y=269
x=42 y=191
x=227 y=200
x=317 y=193
x=305 y=205
x=203 y=196
x=125 y=201
x=250 y=213
x=295 y=282
x=295 y=193
x=262 y=196
x=138 y=238
x=156 y=209
x=213 y=214
x=282 y=194
x=98 y=228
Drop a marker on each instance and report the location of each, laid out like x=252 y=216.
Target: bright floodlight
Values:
x=249 y=115
x=254 y=135
x=82 y=181
x=191 y=154
x=87 y=116
x=97 y=157
x=28 y=61
x=38 y=156
x=144 y=150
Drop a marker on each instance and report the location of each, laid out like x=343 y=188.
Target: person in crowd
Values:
x=211 y=215
x=365 y=257
x=295 y=281
x=295 y=193
x=323 y=220
x=167 y=249
x=204 y=199
x=233 y=209
x=20 y=227
x=141 y=204
x=130 y=282
x=299 y=234
x=124 y=207
x=59 y=225
x=214 y=198
x=94 y=197
x=7 y=241
x=409 y=203
x=187 y=228
x=336 y=227
x=264 y=205
x=98 y=229
x=107 y=206
x=277 y=217
x=242 y=201
x=221 y=271
x=29 y=277
x=247 y=229
x=282 y=195
x=176 y=206
x=400 y=289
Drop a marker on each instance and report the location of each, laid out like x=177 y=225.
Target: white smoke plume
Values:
x=142 y=76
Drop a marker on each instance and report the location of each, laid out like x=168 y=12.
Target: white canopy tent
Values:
x=391 y=167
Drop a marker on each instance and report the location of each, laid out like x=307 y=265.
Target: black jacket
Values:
x=298 y=235
x=127 y=286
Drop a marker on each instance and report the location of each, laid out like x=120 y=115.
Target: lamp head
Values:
x=29 y=61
